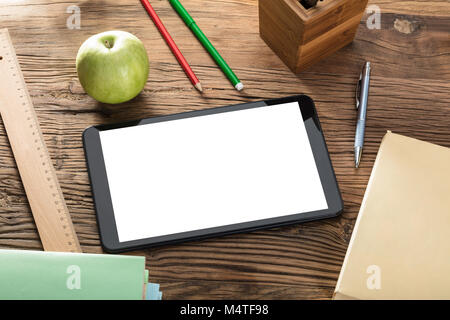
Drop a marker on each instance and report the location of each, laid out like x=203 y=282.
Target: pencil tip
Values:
x=198 y=86
x=239 y=86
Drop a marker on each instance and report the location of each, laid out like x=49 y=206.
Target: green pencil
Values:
x=207 y=44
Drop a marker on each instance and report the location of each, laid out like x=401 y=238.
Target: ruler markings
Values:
x=48 y=206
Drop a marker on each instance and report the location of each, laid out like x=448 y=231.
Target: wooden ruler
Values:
x=33 y=160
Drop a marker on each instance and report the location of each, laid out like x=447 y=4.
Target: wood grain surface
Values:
x=409 y=95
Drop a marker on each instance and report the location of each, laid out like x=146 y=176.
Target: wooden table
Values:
x=409 y=95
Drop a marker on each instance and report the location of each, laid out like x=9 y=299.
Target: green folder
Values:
x=30 y=275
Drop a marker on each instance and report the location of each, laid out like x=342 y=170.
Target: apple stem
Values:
x=107 y=44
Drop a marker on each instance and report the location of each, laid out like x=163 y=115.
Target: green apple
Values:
x=112 y=66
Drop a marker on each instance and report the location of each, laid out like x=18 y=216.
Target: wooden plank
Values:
x=439 y=8
x=409 y=7
x=389 y=47
x=409 y=95
x=219 y=289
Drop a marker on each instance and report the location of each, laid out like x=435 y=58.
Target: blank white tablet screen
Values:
x=210 y=171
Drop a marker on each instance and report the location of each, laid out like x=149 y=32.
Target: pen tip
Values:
x=358 y=153
x=198 y=86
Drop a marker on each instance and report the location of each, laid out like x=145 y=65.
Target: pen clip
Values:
x=358 y=91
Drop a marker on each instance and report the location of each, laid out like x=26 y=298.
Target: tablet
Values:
x=209 y=173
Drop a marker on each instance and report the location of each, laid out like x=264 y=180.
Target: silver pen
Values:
x=362 y=96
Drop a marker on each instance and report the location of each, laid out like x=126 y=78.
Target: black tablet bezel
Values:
x=104 y=207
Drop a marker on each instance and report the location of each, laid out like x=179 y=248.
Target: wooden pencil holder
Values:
x=302 y=37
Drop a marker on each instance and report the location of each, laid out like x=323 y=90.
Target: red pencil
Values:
x=165 y=34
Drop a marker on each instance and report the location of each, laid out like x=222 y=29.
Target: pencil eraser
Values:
x=239 y=86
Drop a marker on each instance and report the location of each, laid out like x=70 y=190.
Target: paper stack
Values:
x=400 y=247
x=29 y=275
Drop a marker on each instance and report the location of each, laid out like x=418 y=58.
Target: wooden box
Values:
x=301 y=37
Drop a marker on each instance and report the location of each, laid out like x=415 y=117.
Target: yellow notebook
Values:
x=400 y=246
